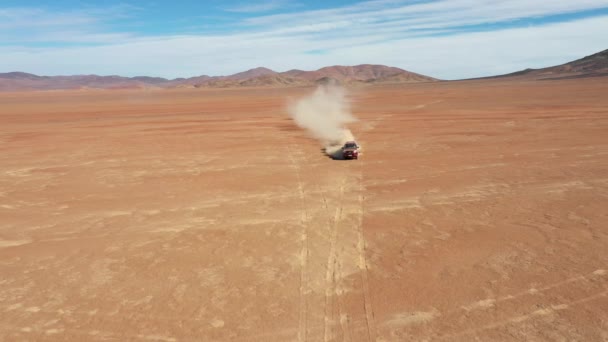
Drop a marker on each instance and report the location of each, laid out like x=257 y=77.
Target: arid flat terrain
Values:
x=477 y=211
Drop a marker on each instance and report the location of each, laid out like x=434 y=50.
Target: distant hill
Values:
x=14 y=81
x=148 y=79
x=17 y=75
x=257 y=72
x=272 y=80
x=595 y=65
x=404 y=77
x=258 y=77
x=365 y=73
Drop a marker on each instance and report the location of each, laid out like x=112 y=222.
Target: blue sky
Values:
x=448 y=39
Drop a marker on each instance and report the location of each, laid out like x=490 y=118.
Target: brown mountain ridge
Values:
x=595 y=65
x=258 y=77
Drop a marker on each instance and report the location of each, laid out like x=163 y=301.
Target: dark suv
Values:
x=350 y=150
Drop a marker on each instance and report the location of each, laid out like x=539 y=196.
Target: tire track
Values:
x=330 y=275
x=362 y=262
x=304 y=252
x=344 y=317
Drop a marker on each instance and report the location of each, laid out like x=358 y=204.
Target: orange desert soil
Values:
x=477 y=211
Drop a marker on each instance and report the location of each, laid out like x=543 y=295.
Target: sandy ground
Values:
x=478 y=211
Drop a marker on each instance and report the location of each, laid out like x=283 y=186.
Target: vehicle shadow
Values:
x=332 y=153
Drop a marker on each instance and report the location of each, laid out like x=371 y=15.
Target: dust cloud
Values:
x=325 y=114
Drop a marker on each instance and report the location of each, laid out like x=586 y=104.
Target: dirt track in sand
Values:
x=478 y=211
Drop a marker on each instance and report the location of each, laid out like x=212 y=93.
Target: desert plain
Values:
x=478 y=211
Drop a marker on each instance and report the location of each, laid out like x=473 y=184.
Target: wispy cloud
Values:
x=404 y=16
x=87 y=25
x=444 y=39
x=19 y=18
x=260 y=6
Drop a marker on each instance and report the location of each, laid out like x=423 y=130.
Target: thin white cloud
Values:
x=392 y=32
x=19 y=18
x=435 y=14
x=450 y=57
x=259 y=6
x=88 y=25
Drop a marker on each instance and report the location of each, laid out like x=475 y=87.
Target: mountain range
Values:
x=258 y=77
x=595 y=65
